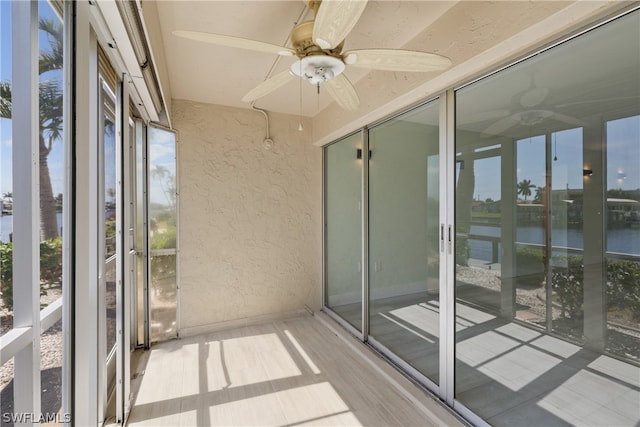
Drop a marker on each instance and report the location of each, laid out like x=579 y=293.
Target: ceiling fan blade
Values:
x=396 y=60
x=268 y=86
x=500 y=126
x=334 y=20
x=481 y=116
x=534 y=97
x=238 y=42
x=569 y=120
x=343 y=92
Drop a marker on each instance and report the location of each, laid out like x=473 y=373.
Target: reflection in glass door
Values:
x=622 y=233
x=404 y=238
x=162 y=232
x=343 y=229
x=538 y=317
x=547 y=331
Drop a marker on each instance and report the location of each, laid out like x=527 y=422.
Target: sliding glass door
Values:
x=343 y=229
x=404 y=229
x=547 y=208
x=497 y=230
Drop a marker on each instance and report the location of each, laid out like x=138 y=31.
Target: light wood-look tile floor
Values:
x=508 y=373
x=301 y=371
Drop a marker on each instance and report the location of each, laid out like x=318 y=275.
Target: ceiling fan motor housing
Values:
x=318 y=69
x=302 y=42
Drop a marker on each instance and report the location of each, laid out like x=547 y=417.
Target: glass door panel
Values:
x=109 y=222
x=404 y=238
x=111 y=212
x=549 y=244
x=536 y=328
x=141 y=336
x=565 y=225
x=162 y=226
x=623 y=237
x=530 y=230
x=343 y=229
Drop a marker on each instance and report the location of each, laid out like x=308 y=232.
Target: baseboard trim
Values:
x=239 y=323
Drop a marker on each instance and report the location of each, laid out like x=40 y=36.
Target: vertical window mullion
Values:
x=365 y=234
x=26 y=223
x=67 y=237
x=447 y=230
x=84 y=125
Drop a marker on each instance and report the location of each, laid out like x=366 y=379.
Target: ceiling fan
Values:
x=318 y=46
x=528 y=109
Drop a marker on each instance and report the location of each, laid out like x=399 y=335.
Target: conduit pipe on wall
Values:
x=268 y=142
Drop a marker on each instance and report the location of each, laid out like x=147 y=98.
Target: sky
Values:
x=622 y=158
x=162 y=152
x=566 y=147
x=55 y=157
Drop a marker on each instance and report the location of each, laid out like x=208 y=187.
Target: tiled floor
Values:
x=531 y=376
x=510 y=374
x=303 y=371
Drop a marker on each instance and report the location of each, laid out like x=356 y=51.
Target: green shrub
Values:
x=567 y=282
x=165 y=239
x=51 y=261
x=623 y=287
x=6 y=274
x=50 y=268
x=530 y=262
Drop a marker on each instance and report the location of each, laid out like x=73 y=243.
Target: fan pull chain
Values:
x=300 y=128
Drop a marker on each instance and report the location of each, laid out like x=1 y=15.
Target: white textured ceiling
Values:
x=222 y=75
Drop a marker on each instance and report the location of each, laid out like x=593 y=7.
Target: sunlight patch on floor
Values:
x=302 y=353
x=423 y=319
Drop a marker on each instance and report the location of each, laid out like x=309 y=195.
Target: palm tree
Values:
x=167 y=182
x=50 y=119
x=524 y=188
x=539 y=196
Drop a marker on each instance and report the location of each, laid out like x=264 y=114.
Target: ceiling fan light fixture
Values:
x=318 y=69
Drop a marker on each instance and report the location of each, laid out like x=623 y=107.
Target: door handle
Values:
x=450 y=239
x=441 y=237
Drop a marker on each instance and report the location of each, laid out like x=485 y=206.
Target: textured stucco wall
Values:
x=250 y=218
